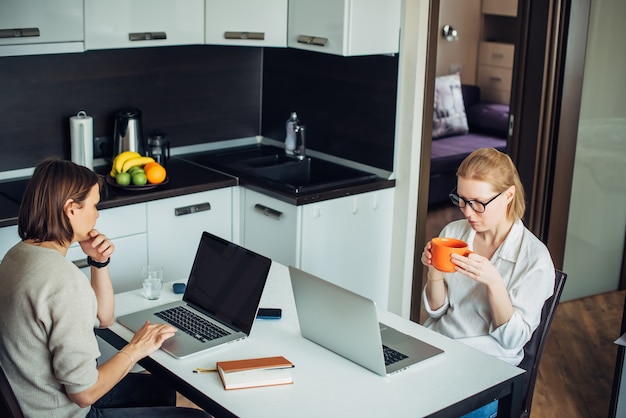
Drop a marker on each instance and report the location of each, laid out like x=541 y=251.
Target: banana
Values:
x=122 y=157
x=132 y=162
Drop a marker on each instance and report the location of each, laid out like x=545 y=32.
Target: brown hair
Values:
x=497 y=169
x=41 y=216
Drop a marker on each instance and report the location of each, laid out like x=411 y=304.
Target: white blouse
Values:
x=528 y=272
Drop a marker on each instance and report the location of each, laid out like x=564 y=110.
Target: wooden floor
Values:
x=576 y=371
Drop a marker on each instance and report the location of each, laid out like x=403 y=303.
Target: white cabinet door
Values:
x=143 y=23
x=8 y=238
x=126 y=227
x=347 y=241
x=246 y=22
x=41 y=26
x=345 y=27
x=126 y=262
x=176 y=224
x=269 y=227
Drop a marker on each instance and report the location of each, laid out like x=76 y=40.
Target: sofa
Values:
x=486 y=126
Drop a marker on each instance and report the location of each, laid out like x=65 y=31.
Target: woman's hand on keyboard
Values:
x=149 y=338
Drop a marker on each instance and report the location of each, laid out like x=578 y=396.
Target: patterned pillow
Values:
x=449 y=111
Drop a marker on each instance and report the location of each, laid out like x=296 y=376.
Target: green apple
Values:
x=139 y=179
x=123 y=179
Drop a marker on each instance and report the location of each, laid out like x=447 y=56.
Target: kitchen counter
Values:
x=184 y=177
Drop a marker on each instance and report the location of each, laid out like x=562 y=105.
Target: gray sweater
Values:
x=47 y=343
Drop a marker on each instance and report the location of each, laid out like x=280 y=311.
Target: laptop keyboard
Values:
x=192 y=324
x=392 y=356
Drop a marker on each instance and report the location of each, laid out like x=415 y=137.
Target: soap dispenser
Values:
x=290 y=138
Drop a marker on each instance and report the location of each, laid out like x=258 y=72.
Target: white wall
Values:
x=597 y=217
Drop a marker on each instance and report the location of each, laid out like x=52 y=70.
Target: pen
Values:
x=201 y=370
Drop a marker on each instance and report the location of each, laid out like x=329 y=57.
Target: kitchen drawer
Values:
x=496 y=54
x=122 y=221
x=175 y=226
x=126 y=262
x=500 y=7
x=270 y=227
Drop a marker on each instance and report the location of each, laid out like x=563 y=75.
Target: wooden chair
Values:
x=533 y=350
x=9 y=407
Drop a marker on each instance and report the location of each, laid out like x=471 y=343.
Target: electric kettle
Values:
x=128 y=133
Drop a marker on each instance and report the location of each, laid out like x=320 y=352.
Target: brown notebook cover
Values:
x=256 y=372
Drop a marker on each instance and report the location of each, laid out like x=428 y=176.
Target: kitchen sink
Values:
x=270 y=165
x=310 y=175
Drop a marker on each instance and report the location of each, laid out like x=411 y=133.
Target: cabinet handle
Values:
x=497 y=55
x=312 y=40
x=19 y=32
x=272 y=213
x=81 y=264
x=146 y=36
x=186 y=210
x=257 y=36
x=495 y=79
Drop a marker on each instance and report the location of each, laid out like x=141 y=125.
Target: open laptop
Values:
x=224 y=290
x=347 y=324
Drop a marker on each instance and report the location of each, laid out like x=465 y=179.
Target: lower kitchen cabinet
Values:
x=126 y=227
x=346 y=240
x=8 y=238
x=176 y=224
x=269 y=226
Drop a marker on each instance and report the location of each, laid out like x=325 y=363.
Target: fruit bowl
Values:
x=111 y=181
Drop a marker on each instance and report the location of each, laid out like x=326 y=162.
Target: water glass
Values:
x=152 y=276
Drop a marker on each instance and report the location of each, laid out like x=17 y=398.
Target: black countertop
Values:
x=184 y=177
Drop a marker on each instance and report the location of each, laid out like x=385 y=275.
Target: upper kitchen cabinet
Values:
x=143 y=23
x=29 y=27
x=345 y=27
x=246 y=22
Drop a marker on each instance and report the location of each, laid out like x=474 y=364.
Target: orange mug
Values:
x=442 y=249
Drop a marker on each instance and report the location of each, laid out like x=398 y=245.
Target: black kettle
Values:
x=128 y=134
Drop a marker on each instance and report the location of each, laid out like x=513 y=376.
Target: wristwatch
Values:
x=94 y=263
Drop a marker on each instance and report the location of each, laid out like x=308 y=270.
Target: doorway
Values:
x=544 y=105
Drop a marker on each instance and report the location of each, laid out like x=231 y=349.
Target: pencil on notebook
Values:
x=201 y=370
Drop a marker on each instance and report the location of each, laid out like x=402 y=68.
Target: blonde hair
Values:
x=496 y=168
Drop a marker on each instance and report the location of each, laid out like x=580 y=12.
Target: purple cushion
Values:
x=449 y=111
x=489 y=118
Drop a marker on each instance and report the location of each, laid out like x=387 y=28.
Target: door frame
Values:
x=545 y=107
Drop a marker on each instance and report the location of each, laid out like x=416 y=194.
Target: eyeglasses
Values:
x=478 y=207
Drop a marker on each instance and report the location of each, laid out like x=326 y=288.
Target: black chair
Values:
x=533 y=350
x=9 y=407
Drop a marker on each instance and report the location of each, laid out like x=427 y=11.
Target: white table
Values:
x=325 y=384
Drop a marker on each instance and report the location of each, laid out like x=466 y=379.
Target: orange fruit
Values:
x=146 y=166
x=155 y=173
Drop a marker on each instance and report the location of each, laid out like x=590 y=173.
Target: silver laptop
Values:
x=347 y=324
x=223 y=291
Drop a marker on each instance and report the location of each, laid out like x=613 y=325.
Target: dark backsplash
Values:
x=348 y=105
x=199 y=94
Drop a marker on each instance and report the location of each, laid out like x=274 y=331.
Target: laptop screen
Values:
x=226 y=281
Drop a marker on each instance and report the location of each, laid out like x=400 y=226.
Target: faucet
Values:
x=300 y=149
x=294 y=130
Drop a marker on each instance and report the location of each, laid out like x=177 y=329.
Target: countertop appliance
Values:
x=128 y=134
